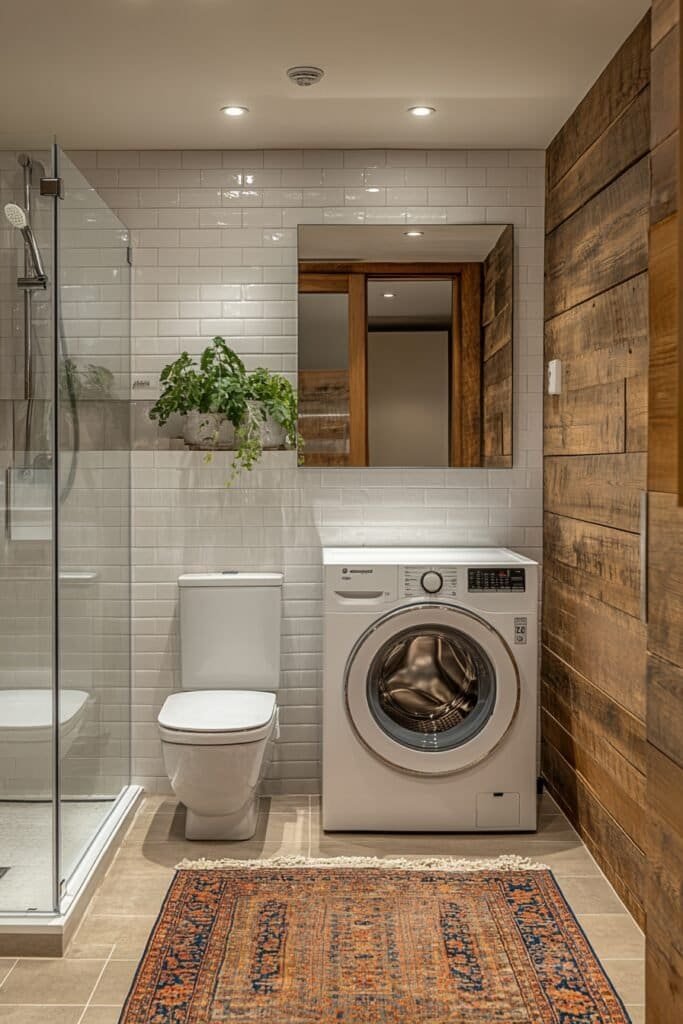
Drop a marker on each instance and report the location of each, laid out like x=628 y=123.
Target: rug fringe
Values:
x=508 y=862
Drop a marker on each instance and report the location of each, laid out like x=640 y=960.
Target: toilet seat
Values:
x=28 y=714
x=217 y=717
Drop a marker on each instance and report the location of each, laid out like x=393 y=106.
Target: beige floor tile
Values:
x=89 y=950
x=40 y=1014
x=126 y=935
x=51 y=981
x=101 y=1015
x=555 y=828
x=636 y=1013
x=130 y=894
x=628 y=978
x=614 y=936
x=589 y=894
x=6 y=965
x=115 y=982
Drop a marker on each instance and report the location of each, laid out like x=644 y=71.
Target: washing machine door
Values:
x=431 y=688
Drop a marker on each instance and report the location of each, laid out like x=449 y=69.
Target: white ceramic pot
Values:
x=273 y=434
x=208 y=430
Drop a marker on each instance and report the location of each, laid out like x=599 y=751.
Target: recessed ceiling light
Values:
x=233 y=111
x=373 y=189
x=413 y=234
x=389 y=295
x=421 y=111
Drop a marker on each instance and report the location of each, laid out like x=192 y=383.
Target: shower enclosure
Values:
x=65 y=548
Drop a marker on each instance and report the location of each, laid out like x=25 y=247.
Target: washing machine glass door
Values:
x=431 y=688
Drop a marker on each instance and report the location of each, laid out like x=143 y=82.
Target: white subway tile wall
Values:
x=214 y=236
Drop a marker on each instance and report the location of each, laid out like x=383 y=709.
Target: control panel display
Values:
x=485 y=580
x=429 y=580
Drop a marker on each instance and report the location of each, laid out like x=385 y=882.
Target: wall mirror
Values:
x=405 y=345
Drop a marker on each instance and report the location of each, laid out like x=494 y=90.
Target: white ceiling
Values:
x=154 y=73
x=456 y=243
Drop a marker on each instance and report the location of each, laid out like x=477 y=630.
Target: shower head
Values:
x=18 y=218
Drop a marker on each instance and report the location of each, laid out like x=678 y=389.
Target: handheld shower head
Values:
x=17 y=217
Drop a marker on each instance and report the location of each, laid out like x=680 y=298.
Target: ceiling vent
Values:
x=305 y=75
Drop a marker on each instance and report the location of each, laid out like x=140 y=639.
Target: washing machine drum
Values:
x=431 y=688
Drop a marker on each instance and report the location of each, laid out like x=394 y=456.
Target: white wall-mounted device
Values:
x=554 y=373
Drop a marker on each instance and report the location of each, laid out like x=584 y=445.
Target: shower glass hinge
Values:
x=129 y=255
x=52 y=187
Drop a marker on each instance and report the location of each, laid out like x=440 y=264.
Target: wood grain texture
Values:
x=663 y=371
x=664 y=162
x=602 y=489
x=623 y=143
x=618 y=85
x=603 y=340
x=665 y=111
x=636 y=413
x=603 y=244
x=588 y=421
x=665 y=578
x=497 y=370
x=455 y=446
x=417 y=268
x=618 y=856
x=358 y=372
x=596 y=560
x=665 y=707
x=665 y=14
x=471 y=300
x=323 y=283
x=600 y=642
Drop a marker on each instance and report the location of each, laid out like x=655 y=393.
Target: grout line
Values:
x=97 y=981
x=9 y=972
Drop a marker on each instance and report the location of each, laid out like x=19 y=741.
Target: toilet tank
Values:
x=230 y=630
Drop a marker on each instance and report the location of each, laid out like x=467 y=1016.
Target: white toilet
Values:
x=216 y=732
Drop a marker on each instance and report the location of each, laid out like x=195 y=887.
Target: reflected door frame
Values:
x=351 y=278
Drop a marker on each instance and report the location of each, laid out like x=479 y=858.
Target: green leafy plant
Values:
x=221 y=385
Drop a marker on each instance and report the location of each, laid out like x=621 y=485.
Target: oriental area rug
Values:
x=382 y=943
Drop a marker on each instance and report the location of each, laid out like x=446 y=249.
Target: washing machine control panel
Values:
x=429 y=580
x=485 y=580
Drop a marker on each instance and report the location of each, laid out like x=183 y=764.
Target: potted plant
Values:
x=226 y=407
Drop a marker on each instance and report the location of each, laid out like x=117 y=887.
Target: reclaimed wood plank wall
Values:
x=593 y=693
x=496 y=377
x=664 y=751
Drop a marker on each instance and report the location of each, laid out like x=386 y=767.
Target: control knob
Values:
x=431 y=582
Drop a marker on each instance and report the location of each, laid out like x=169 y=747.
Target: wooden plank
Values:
x=498 y=276
x=358 y=371
x=324 y=283
x=623 y=143
x=665 y=110
x=600 y=642
x=596 y=488
x=665 y=577
x=664 y=162
x=596 y=560
x=663 y=375
x=497 y=409
x=584 y=710
x=455 y=446
x=620 y=858
x=471 y=364
x=663 y=973
x=636 y=413
x=601 y=245
x=665 y=14
x=603 y=340
x=498 y=332
x=665 y=707
x=665 y=848
x=627 y=74
x=615 y=783
x=587 y=421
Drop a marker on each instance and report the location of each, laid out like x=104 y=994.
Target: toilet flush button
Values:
x=432 y=582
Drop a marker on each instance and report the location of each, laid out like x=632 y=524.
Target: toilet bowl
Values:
x=27 y=738
x=215 y=746
x=217 y=732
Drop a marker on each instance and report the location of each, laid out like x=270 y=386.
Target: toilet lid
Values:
x=217 y=711
x=33 y=709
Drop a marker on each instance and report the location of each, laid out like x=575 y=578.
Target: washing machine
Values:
x=430 y=690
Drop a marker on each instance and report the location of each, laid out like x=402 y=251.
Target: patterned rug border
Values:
x=508 y=862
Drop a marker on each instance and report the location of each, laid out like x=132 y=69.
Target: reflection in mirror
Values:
x=405 y=345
